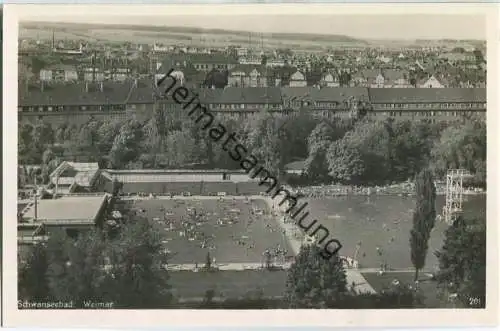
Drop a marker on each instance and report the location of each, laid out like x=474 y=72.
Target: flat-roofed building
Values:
x=71 y=214
x=196 y=182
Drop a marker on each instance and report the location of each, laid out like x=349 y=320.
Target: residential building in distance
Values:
x=298 y=79
x=59 y=73
x=248 y=76
x=78 y=102
x=241 y=51
x=324 y=102
x=432 y=104
x=431 y=82
x=253 y=60
x=330 y=80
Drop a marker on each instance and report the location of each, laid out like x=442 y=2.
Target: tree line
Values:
x=360 y=150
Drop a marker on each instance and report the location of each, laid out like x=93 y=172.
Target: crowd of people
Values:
x=192 y=226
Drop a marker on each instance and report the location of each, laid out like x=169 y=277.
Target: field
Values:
x=228 y=284
x=383 y=222
x=181 y=35
x=199 y=37
x=241 y=236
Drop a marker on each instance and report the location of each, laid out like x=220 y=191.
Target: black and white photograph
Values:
x=246 y=161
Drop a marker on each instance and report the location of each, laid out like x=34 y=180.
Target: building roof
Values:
x=66 y=209
x=250 y=95
x=170 y=61
x=73 y=94
x=386 y=95
x=215 y=58
x=326 y=94
x=248 y=68
x=393 y=75
x=80 y=173
x=296 y=165
x=171 y=175
x=142 y=92
x=66 y=67
x=208 y=95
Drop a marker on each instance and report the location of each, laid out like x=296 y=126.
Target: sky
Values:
x=359 y=26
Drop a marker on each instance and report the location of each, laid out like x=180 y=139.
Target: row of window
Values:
x=209 y=66
x=428 y=113
x=334 y=105
x=70 y=108
x=432 y=105
x=243 y=106
x=258 y=106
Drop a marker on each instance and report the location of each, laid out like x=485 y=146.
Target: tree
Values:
x=424 y=218
x=32 y=284
x=116 y=187
x=126 y=144
x=208 y=261
x=362 y=155
x=313 y=281
x=136 y=277
x=267 y=142
x=462 y=146
x=411 y=144
x=181 y=146
x=462 y=262
x=58 y=247
x=84 y=272
x=320 y=139
x=263 y=59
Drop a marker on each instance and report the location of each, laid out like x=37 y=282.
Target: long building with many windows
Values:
x=77 y=103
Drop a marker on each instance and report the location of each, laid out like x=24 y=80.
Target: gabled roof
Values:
x=393 y=75
x=442 y=95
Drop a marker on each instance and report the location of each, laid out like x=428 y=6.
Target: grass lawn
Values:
x=428 y=287
x=243 y=236
x=227 y=284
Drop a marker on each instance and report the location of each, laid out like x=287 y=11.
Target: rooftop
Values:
x=385 y=95
x=326 y=94
x=78 y=172
x=73 y=94
x=69 y=208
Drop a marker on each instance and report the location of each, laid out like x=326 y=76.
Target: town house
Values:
x=247 y=76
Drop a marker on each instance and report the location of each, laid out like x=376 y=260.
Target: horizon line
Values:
x=414 y=39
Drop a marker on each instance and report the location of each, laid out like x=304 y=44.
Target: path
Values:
x=223 y=266
x=353 y=276
x=196 y=197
